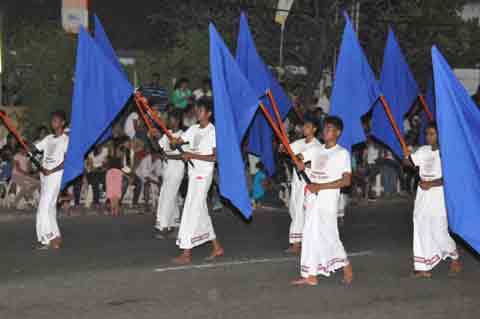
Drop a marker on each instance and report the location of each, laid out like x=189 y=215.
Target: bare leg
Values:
x=423 y=274
x=456 y=267
x=347 y=274
x=295 y=248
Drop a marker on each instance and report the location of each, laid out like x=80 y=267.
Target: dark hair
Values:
x=176 y=114
x=115 y=162
x=180 y=82
x=433 y=125
x=60 y=114
x=335 y=121
x=310 y=118
x=260 y=166
x=205 y=103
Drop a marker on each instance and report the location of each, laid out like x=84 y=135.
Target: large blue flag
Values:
x=261 y=79
x=355 y=88
x=100 y=93
x=432 y=106
x=103 y=42
x=459 y=132
x=235 y=104
x=400 y=90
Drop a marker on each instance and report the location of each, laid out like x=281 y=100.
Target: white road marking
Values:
x=246 y=262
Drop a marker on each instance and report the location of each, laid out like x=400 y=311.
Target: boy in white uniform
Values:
x=322 y=249
x=431 y=240
x=54 y=147
x=196 y=225
x=297 y=195
x=168 y=213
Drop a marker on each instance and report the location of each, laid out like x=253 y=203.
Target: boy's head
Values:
x=310 y=126
x=183 y=83
x=58 y=120
x=431 y=133
x=260 y=166
x=206 y=84
x=332 y=129
x=203 y=110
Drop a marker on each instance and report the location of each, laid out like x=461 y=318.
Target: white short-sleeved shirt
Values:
x=129 y=127
x=328 y=164
x=373 y=153
x=54 y=149
x=145 y=168
x=301 y=145
x=99 y=160
x=164 y=143
x=157 y=168
x=429 y=163
x=201 y=141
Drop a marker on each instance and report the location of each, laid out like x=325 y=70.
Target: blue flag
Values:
x=459 y=132
x=355 y=88
x=235 y=104
x=400 y=90
x=432 y=106
x=103 y=42
x=100 y=93
x=261 y=79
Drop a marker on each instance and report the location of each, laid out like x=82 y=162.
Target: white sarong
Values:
x=168 y=213
x=47 y=226
x=196 y=225
x=322 y=249
x=296 y=208
x=431 y=241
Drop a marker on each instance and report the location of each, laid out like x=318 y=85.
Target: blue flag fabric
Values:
x=235 y=104
x=100 y=93
x=355 y=88
x=400 y=90
x=432 y=106
x=103 y=42
x=459 y=132
x=261 y=79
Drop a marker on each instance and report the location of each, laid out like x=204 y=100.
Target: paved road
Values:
x=113 y=268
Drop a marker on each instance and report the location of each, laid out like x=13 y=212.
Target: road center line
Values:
x=247 y=262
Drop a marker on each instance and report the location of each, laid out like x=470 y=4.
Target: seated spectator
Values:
x=182 y=95
x=5 y=166
x=96 y=166
x=22 y=177
x=113 y=183
x=204 y=92
x=132 y=124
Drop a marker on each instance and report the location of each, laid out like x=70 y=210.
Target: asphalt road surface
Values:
x=114 y=268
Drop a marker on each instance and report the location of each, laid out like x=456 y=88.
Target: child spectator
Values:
x=114 y=179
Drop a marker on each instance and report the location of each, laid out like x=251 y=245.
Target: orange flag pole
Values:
x=393 y=123
x=425 y=107
x=147 y=121
x=277 y=113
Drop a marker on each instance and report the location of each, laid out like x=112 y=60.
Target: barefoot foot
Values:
x=455 y=267
x=293 y=250
x=347 y=274
x=423 y=274
x=219 y=252
x=309 y=281
x=183 y=259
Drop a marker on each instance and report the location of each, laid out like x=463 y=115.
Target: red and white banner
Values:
x=74 y=14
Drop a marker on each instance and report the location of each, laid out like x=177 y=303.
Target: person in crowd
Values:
x=431 y=241
x=371 y=156
x=182 y=95
x=144 y=173
x=54 y=147
x=322 y=250
x=97 y=165
x=390 y=172
x=114 y=177
x=259 y=185
x=132 y=124
x=203 y=92
x=196 y=224
x=22 y=176
x=298 y=185
x=5 y=166
x=168 y=212
x=189 y=117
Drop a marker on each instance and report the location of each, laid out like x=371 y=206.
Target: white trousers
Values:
x=168 y=213
x=296 y=208
x=322 y=249
x=196 y=225
x=431 y=241
x=46 y=220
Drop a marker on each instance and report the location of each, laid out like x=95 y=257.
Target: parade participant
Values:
x=168 y=213
x=431 y=240
x=322 y=250
x=196 y=225
x=297 y=195
x=54 y=147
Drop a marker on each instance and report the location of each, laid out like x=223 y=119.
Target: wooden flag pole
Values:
x=425 y=107
x=147 y=121
x=388 y=111
x=277 y=114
